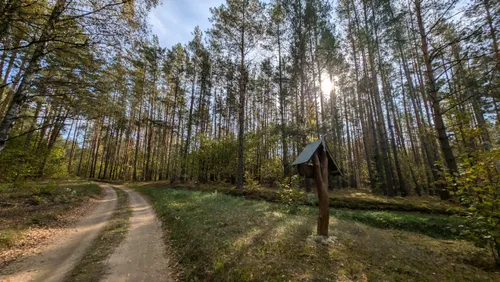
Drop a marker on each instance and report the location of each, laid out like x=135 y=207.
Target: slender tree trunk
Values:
x=241 y=110
x=73 y=145
x=433 y=93
x=27 y=144
x=282 y=99
x=137 y=141
x=189 y=128
x=78 y=172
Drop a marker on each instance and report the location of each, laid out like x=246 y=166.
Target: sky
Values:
x=173 y=21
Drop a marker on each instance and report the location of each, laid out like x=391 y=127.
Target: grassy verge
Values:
x=433 y=226
x=349 y=199
x=39 y=205
x=222 y=238
x=437 y=226
x=92 y=266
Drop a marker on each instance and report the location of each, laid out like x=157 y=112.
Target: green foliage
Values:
x=56 y=166
x=291 y=182
x=37 y=200
x=290 y=196
x=16 y=163
x=9 y=236
x=48 y=189
x=312 y=199
x=289 y=199
x=43 y=219
x=19 y=162
x=478 y=188
x=250 y=182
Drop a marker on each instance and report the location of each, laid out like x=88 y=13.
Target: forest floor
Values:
x=104 y=244
x=31 y=213
x=210 y=236
x=218 y=237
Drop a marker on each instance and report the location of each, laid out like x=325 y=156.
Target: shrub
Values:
x=36 y=200
x=291 y=197
x=43 y=219
x=48 y=189
x=478 y=188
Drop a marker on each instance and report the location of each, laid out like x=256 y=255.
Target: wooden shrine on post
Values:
x=304 y=160
x=316 y=161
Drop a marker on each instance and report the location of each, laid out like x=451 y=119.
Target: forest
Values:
x=406 y=94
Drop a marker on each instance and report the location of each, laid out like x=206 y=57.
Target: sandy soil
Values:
x=61 y=253
x=141 y=256
x=37 y=237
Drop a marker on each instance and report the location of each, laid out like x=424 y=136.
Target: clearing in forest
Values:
x=224 y=238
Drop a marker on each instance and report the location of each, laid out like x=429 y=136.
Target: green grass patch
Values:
x=9 y=236
x=434 y=226
x=347 y=199
x=223 y=238
x=43 y=219
x=51 y=192
x=92 y=266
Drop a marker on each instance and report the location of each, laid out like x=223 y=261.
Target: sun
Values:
x=326 y=85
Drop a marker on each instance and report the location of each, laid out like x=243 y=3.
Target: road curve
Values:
x=141 y=256
x=62 y=253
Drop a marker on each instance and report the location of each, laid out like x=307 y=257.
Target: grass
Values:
x=9 y=236
x=39 y=204
x=433 y=226
x=92 y=266
x=344 y=198
x=223 y=238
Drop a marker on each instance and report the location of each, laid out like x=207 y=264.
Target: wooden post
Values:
x=321 y=176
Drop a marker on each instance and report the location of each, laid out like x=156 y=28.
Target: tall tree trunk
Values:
x=137 y=141
x=433 y=93
x=189 y=128
x=241 y=109
x=282 y=105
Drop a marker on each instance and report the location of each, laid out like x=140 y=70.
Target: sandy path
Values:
x=141 y=256
x=60 y=255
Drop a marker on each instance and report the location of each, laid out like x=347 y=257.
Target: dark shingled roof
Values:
x=307 y=154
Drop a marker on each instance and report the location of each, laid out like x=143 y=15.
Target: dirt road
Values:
x=141 y=256
x=63 y=252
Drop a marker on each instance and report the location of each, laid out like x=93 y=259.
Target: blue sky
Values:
x=174 y=20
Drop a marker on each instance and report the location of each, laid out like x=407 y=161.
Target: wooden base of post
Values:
x=321 y=176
